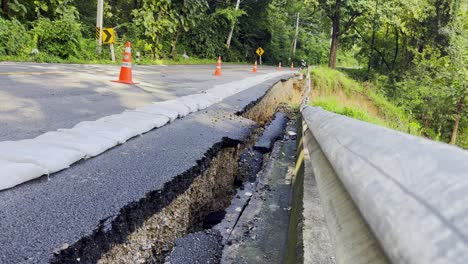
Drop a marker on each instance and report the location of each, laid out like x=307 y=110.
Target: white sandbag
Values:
x=52 y=158
x=232 y=88
x=203 y=100
x=220 y=94
x=213 y=98
x=90 y=144
x=190 y=103
x=159 y=110
x=141 y=122
x=156 y=119
x=215 y=95
x=108 y=130
x=224 y=91
x=182 y=109
x=194 y=99
x=12 y=173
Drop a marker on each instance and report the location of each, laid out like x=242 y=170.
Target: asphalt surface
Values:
x=273 y=132
x=200 y=247
x=45 y=215
x=36 y=98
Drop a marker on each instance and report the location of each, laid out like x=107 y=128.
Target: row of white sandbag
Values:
x=24 y=160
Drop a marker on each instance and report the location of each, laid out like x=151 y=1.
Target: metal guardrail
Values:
x=411 y=192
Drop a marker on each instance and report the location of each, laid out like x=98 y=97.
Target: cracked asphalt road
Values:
x=36 y=98
x=41 y=216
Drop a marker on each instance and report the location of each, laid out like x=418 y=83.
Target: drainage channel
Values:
x=255 y=226
x=212 y=203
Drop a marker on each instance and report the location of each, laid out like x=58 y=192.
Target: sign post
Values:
x=138 y=56
x=106 y=36
x=99 y=18
x=112 y=52
x=260 y=52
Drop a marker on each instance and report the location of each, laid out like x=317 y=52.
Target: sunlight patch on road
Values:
x=14 y=108
x=33 y=73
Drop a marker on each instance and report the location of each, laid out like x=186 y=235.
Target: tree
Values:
x=188 y=13
x=156 y=19
x=235 y=15
x=458 y=72
x=342 y=15
x=335 y=18
x=5 y=8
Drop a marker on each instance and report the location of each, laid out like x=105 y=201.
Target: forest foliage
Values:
x=413 y=53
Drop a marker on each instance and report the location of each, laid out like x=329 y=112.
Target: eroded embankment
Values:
x=209 y=192
x=284 y=92
x=145 y=231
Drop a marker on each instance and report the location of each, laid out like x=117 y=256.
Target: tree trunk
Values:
x=228 y=41
x=406 y=56
x=374 y=28
x=5 y=8
x=174 y=42
x=384 y=52
x=395 y=54
x=335 y=35
x=460 y=106
x=375 y=49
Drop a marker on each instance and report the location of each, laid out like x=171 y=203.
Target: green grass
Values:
x=332 y=104
x=463 y=139
x=330 y=82
x=43 y=58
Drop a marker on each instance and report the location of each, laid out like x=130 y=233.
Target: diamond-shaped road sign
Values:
x=260 y=51
x=108 y=35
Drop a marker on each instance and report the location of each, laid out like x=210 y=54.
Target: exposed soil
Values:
x=183 y=207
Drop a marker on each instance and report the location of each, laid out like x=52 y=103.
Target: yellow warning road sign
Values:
x=260 y=51
x=108 y=35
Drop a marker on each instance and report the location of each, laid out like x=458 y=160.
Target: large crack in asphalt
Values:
x=145 y=231
x=199 y=246
x=207 y=192
x=116 y=230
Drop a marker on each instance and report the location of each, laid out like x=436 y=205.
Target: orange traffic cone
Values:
x=279 y=67
x=218 y=67
x=126 y=69
x=255 y=67
x=292 y=66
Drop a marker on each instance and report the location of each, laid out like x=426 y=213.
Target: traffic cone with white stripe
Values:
x=218 y=67
x=126 y=69
x=255 y=67
x=279 y=67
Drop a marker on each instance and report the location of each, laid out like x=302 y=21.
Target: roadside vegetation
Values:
x=162 y=31
x=408 y=58
x=411 y=63
x=336 y=92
